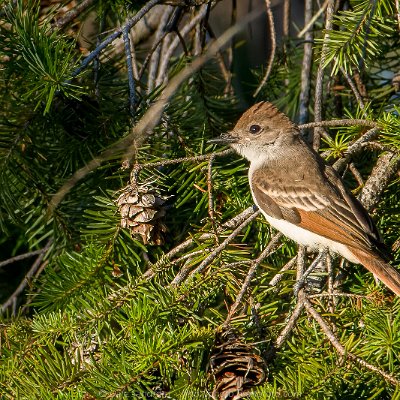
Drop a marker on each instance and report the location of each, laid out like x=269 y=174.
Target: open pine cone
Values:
x=236 y=367
x=141 y=208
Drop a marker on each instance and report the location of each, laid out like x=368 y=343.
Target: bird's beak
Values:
x=225 y=138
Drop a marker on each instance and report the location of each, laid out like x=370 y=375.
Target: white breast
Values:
x=303 y=236
x=307 y=238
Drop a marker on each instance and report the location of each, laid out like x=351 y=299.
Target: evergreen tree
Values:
x=134 y=262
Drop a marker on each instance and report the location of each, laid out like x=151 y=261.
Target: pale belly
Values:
x=310 y=239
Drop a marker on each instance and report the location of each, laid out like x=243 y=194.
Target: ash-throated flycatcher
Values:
x=303 y=197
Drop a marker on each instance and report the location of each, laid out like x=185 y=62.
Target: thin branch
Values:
x=210 y=195
x=131 y=80
x=306 y=66
x=386 y=167
x=272 y=246
x=341 y=122
x=155 y=52
x=308 y=25
x=357 y=176
x=337 y=294
x=341 y=349
x=225 y=71
x=272 y=33
x=152 y=116
x=21 y=257
x=320 y=77
x=162 y=75
x=301 y=280
x=230 y=224
x=21 y=287
x=109 y=39
x=356 y=147
x=354 y=89
x=74 y=13
x=278 y=277
x=185 y=272
x=290 y=324
x=286 y=19
x=203 y=157
x=398 y=12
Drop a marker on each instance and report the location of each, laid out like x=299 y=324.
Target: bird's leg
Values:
x=300 y=282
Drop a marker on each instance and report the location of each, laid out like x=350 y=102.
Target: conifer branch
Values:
x=230 y=224
x=289 y=326
x=11 y=301
x=270 y=249
x=386 y=167
x=353 y=88
x=272 y=34
x=162 y=76
x=306 y=64
x=153 y=114
x=341 y=122
x=118 y=32
x=129 y=67
x=278 y=277
x=21 y=257
x=341 y=349
x=74 y=13
x=185 y=273
x=320 y=78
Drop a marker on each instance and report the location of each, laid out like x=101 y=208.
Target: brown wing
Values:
x=316 y=201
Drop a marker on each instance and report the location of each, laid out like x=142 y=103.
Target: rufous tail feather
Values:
x=381 y=269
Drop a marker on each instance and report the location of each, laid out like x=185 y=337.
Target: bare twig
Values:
x=109 y=39
x=226 y=74
x=152 y=116
x=272 y=246
x=272 y=33
x=232 y=223
x=308 y=25
x=74 y=13
x=210 y=195
x=306 y=66
x=131 y=80
x=185 y=273
x=356 y=147
x=11 y=301
x=286 y=19
x=21 y=257
x=353 y=88
x=353 y=169
x=398 y=12
x=290 y=324
x=386 y=167
x=337 y=294
x=340 y=122
x=301 y=279
x=162 y=69
x=155 y=52
x=341 y=349
x=301 y=261
x=320 y=77
x=278 y=277
x=202 y=157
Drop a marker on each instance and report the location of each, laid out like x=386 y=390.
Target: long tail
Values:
x=382 y=270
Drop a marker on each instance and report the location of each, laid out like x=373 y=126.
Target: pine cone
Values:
x=235 y=366
x=141 y=209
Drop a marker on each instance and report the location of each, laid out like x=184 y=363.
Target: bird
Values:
x=302 y=196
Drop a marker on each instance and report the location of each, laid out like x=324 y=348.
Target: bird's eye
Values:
x=255 y=129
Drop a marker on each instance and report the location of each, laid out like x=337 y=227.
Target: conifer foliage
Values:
x=133 y=262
